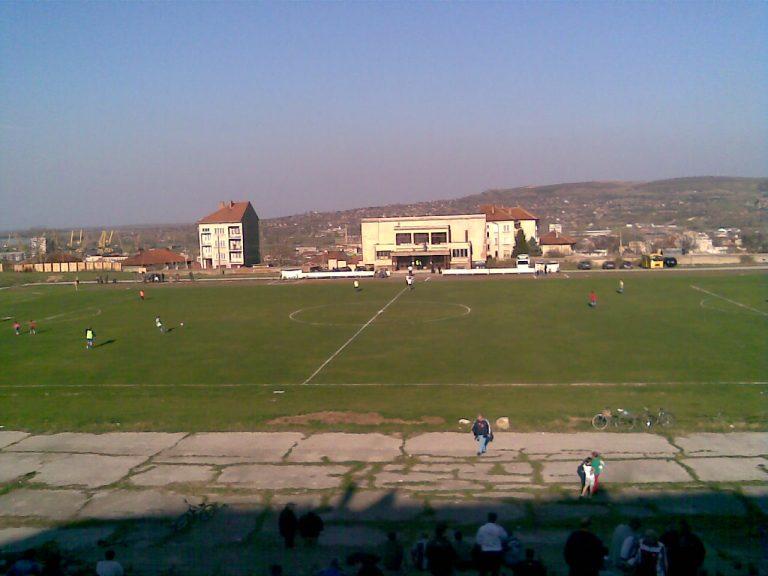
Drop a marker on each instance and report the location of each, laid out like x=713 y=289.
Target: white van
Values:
x=523 y=261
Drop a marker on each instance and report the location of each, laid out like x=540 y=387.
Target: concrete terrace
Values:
x=126 y=488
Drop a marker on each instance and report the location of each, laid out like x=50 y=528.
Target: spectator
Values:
x=651 y=557
x=441 y=557
x=392 y=553
x=419 y=553
x=582 y=475
x=481 y=430
x=513 y=551
x=589 y=477
x=685 y=551
x=490 y=539
x=598 y=465
x=368 y=564
x=109 y=566
x=288 y=524
x=624 y=545
x=530 y=566
x=584 y=552
x=27 y=565
x=463 y=551
x=310 y=526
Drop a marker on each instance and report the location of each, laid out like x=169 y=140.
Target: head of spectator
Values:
x=109 y=555
x=492 y=517
x=651 y=537
x=458 y=536
x=635 y=524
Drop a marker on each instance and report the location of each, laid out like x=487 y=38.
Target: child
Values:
x=357 y=286
x=17 y=327
x=589 y=477
x=89 y=338
x=409 y=281
x=141 y=295
x=32 y=327
x=159 y=324
x=598 y=465
x=592 y=299
x=621 y=287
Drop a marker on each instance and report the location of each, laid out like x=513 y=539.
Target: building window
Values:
x=235 y=245
x=439 y=237
x=403 y=238
x=466 y=235
x=506 y=227
x=383 y=254
x=206 y=229
x=421 y=238
x=205 y=238
x=234 y=230
x=459 y=252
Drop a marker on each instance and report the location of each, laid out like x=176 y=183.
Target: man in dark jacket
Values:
x=288 y=524
x=310 y=525
x=481 y=429
x=441 y=557
x=685 y=551
x=584 y=552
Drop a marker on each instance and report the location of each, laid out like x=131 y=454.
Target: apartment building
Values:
x=229 y=237
x=502 y=226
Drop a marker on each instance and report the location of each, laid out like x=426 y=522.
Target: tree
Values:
x=533 y=246
x=521 y=244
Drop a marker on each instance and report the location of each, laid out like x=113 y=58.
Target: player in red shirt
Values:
x=17 y=327
x=592 y=299
x=32 y=327
x=141 y=295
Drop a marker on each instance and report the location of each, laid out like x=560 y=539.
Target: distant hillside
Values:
x=698 y=203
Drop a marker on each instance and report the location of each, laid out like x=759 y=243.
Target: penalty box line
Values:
x=352 y=338
x=698 y=288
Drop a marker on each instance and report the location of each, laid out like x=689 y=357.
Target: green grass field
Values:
x=696 y=353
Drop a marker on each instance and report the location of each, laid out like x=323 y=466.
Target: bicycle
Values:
x=204 y=511
x=662 y=418
x=621 y=418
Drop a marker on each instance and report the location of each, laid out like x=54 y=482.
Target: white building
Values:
x=229 y=238
x=424 y=241
x=502 y=226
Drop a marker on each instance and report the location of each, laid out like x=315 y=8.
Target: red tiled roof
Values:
x=154 y=257
x=227 y=212
x=495 y=213
x=553 y=239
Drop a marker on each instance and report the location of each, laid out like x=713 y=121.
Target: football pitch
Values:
x=238 y=355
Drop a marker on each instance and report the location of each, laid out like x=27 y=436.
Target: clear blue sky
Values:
x=114 y=113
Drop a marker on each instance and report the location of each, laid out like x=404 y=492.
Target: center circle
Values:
x=358 y=313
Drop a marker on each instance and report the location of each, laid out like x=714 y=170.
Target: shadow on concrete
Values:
x=241 y=537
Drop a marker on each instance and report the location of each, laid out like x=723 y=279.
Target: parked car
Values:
x=609 y=265
x=626 y=264
x=670 y=262
x=584 y=265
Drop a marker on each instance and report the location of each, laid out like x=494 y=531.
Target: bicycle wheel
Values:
x=599 y=422
x=648 y=421
x=627 y=422
x=666 y=419
x=208 y=511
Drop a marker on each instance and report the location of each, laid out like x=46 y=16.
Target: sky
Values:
x=143 y=112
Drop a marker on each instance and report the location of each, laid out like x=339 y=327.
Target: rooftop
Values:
x=228 y=212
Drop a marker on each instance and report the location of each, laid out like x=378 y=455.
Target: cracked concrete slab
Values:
x=376 y=505
x=14 y=466
x=255 y=446
x=731 y=444
x=89 y=470
x=620 y=471
x=131 y=504
x=163 y=475
x=272 y=477
x=8 y=437
x=51 y=504
x=758 y=495
x=342 y=447
x=729 y=469
x=457 y=445
x=582 y=444
x=111 y=443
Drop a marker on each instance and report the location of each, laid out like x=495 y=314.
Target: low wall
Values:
x=487 y=271
x=298 y=274
x=59 y=267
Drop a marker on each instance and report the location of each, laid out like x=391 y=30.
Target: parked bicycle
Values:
x=618 y=418
x=204 y=511
x=662 y=418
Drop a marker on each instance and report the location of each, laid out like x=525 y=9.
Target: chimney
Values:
x=231 y=203
x=222 y=204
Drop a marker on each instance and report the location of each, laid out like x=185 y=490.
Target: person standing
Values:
x=584 y=551
x=419 y=553
x=530 y=566
x=463 y=551
x=592 y=299
x=589 y=477
x=141 y=295
x=490 y=538
x=287 y=524
x=159 y=324
x=651 y=557
x=685 y=551
x=356 y=284
x=109 y=566
x=32 y=327
x=392 y=553
x=624 y=534
x=441 y=557
x=16 y=328
x=89 y=337
x=582 y=475
x=598 y=465
x=481 y=429
x=310 y=526
x=621 y=287
x=409 y=281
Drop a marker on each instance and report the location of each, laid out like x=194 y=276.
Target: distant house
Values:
x=502 y=226
x=156 y=259
x=553 y=243
x=229 y=238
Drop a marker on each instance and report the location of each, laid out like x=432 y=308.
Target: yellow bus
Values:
x=652 y=261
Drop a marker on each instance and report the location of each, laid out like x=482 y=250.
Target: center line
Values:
x=355 y=335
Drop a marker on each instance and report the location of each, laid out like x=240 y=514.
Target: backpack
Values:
x=650 y=557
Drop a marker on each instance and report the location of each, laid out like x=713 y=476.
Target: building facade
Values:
x=229 y=238
x=554 y=244
x=503 y=225
x=424 y=241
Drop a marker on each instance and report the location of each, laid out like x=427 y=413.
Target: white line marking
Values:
x=355 y=335
x=465 y=311
x=729 y=300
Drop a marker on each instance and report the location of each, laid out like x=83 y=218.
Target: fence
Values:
x=69 y=267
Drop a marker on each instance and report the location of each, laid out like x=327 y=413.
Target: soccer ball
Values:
x=182 y=323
